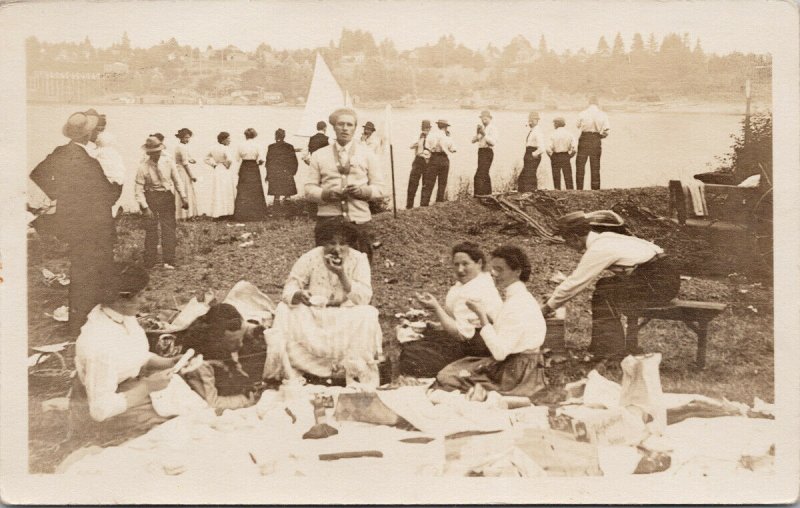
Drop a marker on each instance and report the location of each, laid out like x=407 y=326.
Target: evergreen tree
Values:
x=619 y=47
x=602 y=47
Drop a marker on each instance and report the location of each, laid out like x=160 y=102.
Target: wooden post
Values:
x=394 y=192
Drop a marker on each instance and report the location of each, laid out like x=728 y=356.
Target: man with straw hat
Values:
x=486 y=137
x=156 y=183
x=74 y=178
x=643 y=275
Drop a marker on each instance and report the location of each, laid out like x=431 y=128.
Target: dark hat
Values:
x=441 y=122
x=426 y=124
x=152 y=144
x=183 y=132
x=369 y=125
x=79 y=125
x=559 y=121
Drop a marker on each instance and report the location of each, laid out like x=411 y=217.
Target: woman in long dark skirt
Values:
x=250 y=202
x=281 y=167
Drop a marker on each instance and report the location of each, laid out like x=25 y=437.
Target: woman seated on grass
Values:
x=516 y=366
x=325 y=326
x=116 y=370
x=220 y=379
x=643 y=276
x=459 y=335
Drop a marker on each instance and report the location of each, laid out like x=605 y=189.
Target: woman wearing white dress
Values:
x=182 y=161
x=223 y=182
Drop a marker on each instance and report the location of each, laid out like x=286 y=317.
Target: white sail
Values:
x=324 y=96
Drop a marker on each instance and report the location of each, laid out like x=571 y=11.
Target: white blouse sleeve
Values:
x=360 y=280
x=299 y=278
x=100 y=380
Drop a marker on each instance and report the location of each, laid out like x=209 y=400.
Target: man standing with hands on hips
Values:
x=486 y=137
x=594 y=126
x=343 y=180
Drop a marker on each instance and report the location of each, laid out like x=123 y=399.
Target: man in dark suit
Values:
x=75 y=180
x=318 y=140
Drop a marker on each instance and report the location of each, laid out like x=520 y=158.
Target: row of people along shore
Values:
x=490 y=332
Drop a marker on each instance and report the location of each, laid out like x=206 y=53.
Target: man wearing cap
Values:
x=438 y=169
x=371 y=140
x=422 y=154
x=156 y=183
x=535 y=146
x=74 y=178
x=594 y=126
x=561 y=150
x=343 y=179
x=643 y=275
x=486 y=137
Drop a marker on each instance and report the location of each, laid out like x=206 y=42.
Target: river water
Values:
x=643 y=148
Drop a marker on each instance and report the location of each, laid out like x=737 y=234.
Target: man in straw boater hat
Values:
x=535 y=146
x=343 y=179
x=486 y=137
x=157 y=180
x=643 y=275
x=84 y=197
x=440 y=144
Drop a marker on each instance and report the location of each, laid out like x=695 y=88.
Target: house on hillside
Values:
x=354 y=59
x=234 y=54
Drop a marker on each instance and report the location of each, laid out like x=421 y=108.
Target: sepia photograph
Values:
x=394 y=251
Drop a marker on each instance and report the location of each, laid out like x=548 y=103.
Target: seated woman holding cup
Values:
x=515 y=365
x=459 y=335
x=325 y=326
x=110 y=399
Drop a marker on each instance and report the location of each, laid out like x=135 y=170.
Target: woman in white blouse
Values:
x=515 y=365
x=116 y=370
x=182 y=161
x=325 y=325
x=459 y=335
x=250 y=201
x=223 y=186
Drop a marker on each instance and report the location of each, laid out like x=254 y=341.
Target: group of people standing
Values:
x=431 y=162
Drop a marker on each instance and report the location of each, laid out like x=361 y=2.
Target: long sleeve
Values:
x=374 y=177
x=299 y=278
x=592 y=264
x=551 y=145
x=100 y=380
x=138 y=187
x=203 y=382
x=491 y=136
x=360 y=280
x=210 y=160
x=292 y=159
x=541 y=143
x=605 y=126
x=519 y=326
x=313 y=188
x=43 y=175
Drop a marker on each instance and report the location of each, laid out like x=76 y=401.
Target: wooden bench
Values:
x=696 y=315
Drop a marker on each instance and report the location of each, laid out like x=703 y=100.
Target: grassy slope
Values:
x=418 y=242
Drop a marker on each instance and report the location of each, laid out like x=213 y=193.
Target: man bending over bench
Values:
x=643 y=275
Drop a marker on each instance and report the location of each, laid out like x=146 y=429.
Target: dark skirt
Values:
x=427 y=356
x=527 y=180
x=250 y=201
x=281 y=182
x=520 y=374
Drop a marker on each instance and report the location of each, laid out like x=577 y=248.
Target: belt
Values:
x=158 y=190
x=439 y=153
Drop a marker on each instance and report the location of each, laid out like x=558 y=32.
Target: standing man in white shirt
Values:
x=561 y=149
x=440 y=144
x=535 y=146
x=643 y=276
x=486 y=137
x=343 y=179
x=594 y=126
x=422 y=155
